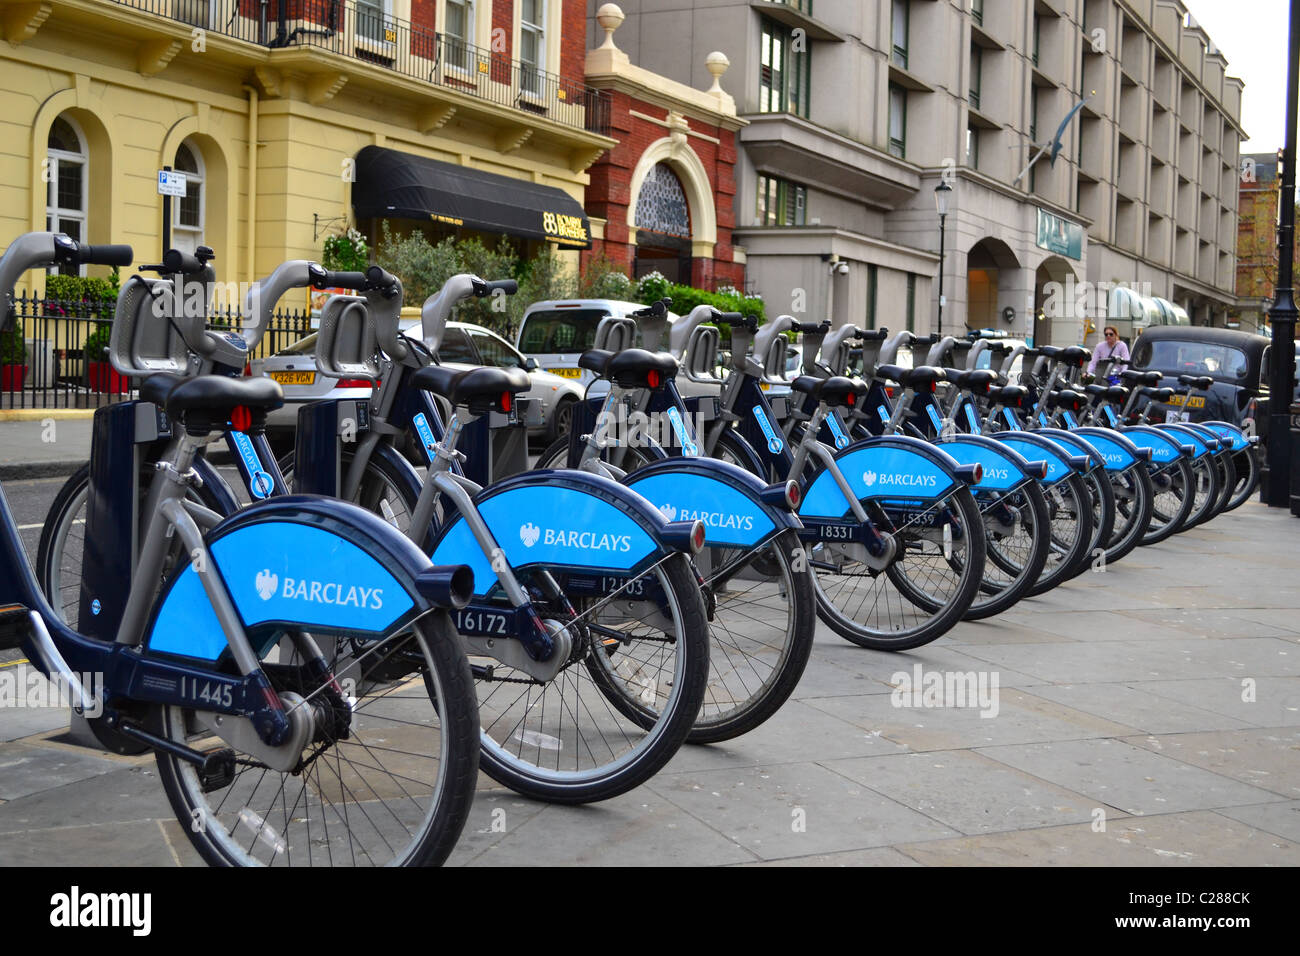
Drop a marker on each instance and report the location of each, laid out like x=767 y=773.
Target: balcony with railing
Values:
x=363 y=32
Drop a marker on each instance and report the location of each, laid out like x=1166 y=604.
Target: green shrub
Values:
x=13 y=350
x=346 y=253
x=95 y=348
x=82 y=295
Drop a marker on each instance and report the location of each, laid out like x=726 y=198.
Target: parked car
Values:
x=1235 y=360
x=463 y=346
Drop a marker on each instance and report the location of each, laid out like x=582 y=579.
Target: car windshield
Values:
x=1180 y=356
x=304 y=346
x=493 y=351
x=560 y=330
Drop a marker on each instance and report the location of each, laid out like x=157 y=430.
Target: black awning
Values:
x=395 y=185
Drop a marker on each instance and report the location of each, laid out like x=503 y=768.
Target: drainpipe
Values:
x=251 y=240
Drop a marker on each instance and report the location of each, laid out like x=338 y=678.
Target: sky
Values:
x=1252 y=35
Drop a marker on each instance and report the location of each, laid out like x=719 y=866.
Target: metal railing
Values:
x=59 y=358
x=365 y=33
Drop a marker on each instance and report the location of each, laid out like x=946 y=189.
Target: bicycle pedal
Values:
x=218 y=770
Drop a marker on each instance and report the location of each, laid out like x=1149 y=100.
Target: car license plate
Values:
x=566 y=372
x=1197 y=401
x=294 y=378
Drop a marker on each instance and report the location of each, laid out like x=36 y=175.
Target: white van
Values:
x=557 y=332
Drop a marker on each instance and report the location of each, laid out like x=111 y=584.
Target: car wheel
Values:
x=562 y=419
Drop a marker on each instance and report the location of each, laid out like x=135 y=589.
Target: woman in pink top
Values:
x=1113 y=347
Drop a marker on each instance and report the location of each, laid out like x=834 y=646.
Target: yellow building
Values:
x=267 y=114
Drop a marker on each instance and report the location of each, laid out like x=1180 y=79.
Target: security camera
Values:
x=842 y=268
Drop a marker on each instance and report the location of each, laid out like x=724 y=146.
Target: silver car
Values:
x=463 y=346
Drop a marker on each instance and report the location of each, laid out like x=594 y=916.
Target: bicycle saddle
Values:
x=1157 y=394
x=1014 y=396
x=1066 y=398
x=1109 y=393
x=1141 y=378
x=1075 y=355
x=158 y=386
x=214 y=402
x=977 y=380
x=836 y=391
x=1199 y=382
x=482 y=389
x=921 y=378
x=631 y=368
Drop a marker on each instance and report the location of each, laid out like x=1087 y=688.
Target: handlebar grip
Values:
x=341 y=280
x=174 y=261
x=812 y=327
x=110 y=255
x=380 y=279
x=872 y=335
x=930 y=339
x=508 y=286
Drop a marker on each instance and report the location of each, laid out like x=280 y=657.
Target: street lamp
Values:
x=942 y=192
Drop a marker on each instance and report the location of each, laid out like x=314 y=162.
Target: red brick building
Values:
x=666 y=191
x=1257 y=216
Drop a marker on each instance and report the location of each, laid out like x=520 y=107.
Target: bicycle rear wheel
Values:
x=1246 y=463
x=392 y=787
x=1070 y=516
x=1172 y=501
x=1017 y=550
x=1133 y=493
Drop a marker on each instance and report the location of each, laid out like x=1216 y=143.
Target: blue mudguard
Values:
x=722 y=495
x=1231 y=432
x=1003 y=467
x=1116 y=451
x=295 y=561
x=1165 y=448
x=1061 y=461
x=891 y=466
x=558 y=519
x=1186 y=436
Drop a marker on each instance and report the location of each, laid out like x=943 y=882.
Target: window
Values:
x=1033 y=114
x=493 y=351
x=65 y=204
x=871 y=295
x=972 y=147
x=911 y=302
x=897 y=121
x=187 y=211
x=460 y=33
x=977 y=11
x=559 y=330
x=371 y=17
x=532 y=44
x=785 y=66
x=1037 y=22
x=456 y=347
x=900 y=18
x=976 y=70
x=781 y=203
x=661 y=204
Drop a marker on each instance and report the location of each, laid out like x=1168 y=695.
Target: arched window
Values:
x=661 y=204
x=67 y=162
x=187 y=212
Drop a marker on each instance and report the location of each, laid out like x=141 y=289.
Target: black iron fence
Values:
x=365 y=33
x=56 y=355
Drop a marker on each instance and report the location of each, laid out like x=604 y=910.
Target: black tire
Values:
x=920 y=595
x=1102 y=497
x=1205 y=474
x=561 y=420
x=1070 y=516
x=59 y=557
x=333 y=811
x=1133 y=493
x=762 y=620
x=1015 y=559
x=1227 y=480
x=1246 y=463
x=573 y=691
x=1171 y=503
x=555 y=455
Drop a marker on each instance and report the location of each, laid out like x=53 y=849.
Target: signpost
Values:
x=169 y=184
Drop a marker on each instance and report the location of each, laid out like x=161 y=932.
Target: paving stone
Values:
x=880 y=856
x=1129 y=778
x=1181 y=622
x=1177 y=839
x=1268 y=758
x=1268 y=701
x=1137 y=707
x=759 y=809
x=967 y=791
x=26 y=769
x=137 y=843
x=121 y=795
x=1281 y=819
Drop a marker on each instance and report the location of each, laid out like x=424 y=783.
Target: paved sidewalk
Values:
x=43 y=447
x=1160 y=699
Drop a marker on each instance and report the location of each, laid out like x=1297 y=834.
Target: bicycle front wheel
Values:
x=392 y=786
x=923 y=591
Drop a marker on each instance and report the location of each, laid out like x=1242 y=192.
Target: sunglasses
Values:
x=1110 y=335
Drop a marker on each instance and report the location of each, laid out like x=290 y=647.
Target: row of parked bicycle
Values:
x=321 y=672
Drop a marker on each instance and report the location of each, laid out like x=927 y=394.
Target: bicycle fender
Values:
x=1116 y=451
x=1187 y=436
x=1164 y=448
x=295 y=561
x=891 y=466
x=1032 y=445
x=1229 y=431
x=1074 y=442
x=1003 y=467
x=722 y=495
x=568 y=519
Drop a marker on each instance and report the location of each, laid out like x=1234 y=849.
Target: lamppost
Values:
x=941 y=194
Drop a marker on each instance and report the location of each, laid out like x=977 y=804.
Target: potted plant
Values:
x=101 y=375
x=13 y=358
